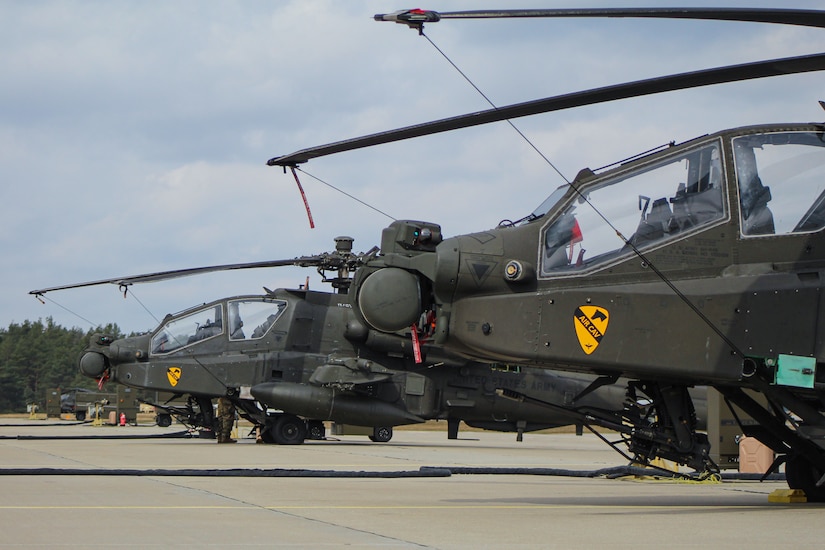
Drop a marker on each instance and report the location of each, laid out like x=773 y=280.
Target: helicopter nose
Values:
x=92 y=364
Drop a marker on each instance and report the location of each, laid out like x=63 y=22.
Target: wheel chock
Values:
x=787 y=496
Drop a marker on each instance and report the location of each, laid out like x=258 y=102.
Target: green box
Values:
x=792 y=370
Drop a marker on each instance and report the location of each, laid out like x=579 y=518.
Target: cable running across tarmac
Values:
x=423 y=472
x=234 y=472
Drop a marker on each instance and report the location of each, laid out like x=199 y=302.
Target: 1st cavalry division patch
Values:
x=591 y=324
x=173 y=374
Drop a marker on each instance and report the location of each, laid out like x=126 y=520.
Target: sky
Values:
x=134 y=135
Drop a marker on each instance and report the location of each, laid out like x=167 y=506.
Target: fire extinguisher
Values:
x=122 y=419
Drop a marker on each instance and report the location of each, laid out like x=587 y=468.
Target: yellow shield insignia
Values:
x=591 y=324
x=173 y=374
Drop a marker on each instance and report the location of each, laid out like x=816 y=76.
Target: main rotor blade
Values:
x=807 y=18
x=302 y=261
x=681 y=81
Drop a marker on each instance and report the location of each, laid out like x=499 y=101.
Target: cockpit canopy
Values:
x=780 y=178
x=244 y=318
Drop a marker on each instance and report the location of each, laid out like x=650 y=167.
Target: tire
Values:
x=267 y=435
x=163 y=420
x=289 y=430
x=801 y=474
x=316 y=430
x=381 y=434
x=80 y=416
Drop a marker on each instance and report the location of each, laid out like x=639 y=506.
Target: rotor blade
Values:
x=681 y=81
x=807 y=18
x=302 y=261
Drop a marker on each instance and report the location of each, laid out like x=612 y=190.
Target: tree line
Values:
x=36 y=356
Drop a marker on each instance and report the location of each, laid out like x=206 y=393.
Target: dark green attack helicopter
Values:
x=720 y=254
x=292 y=358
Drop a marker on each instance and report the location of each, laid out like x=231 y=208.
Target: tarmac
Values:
x=65 y=485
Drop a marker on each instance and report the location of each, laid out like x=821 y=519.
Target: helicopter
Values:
x=419 y=293
x=293 y=358
x=700 y=262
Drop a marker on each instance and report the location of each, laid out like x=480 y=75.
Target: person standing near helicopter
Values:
x=226 y=419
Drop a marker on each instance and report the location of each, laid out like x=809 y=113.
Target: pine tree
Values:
x=37 y=356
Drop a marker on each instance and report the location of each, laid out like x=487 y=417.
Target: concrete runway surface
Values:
x=460 y=511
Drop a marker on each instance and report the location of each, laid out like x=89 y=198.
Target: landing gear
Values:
x=667 y=429
x=789 y=425
x=381 y=434
x=288 y=430
x=204 y=418
x=266 y=434
x=660 y=425
x=800 y=473
x=452 y=428
x=316 y=430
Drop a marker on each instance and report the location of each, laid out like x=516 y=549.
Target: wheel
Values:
x=80 y=416
x=381 y=434
x=316 y=430
x=801 y=474
x=267 y=433
x=164 y=420
x=289 y=430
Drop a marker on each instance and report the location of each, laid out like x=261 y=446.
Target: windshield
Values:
x=781 y=183
x=253 y=318
x=191 y=328
x=648 y=206
x=549 y=202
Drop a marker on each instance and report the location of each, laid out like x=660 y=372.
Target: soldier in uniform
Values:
x=226 y=419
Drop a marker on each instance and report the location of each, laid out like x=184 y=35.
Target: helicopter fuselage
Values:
x=702 y=294
x=306 y=354
x=702 y=263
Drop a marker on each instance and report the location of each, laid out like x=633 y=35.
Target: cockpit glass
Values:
x=193 y=327
x=646 y=206
x=781 y=183
x=549 y=202
x=253 y=318
x=246 y=319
